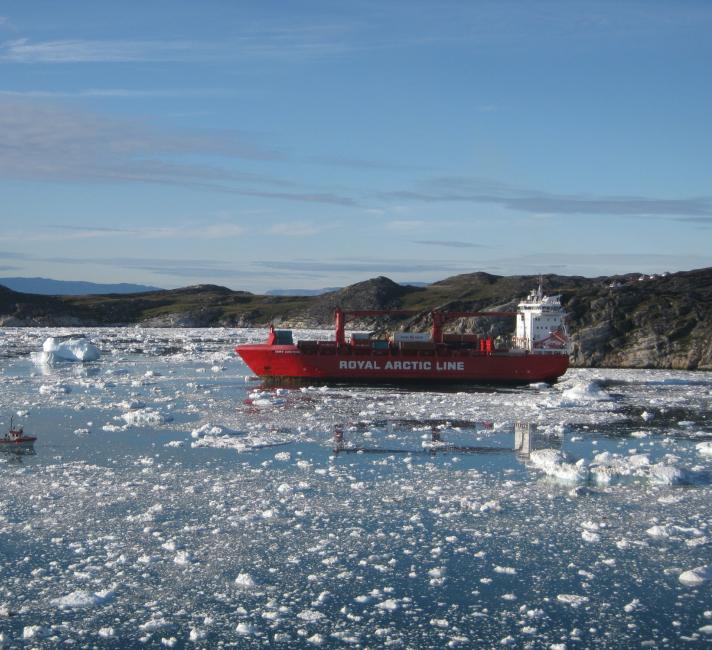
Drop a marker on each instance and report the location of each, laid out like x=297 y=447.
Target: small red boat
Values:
x=15 y=438
x=538 y=352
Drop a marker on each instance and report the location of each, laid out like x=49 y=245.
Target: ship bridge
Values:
x=541 y=326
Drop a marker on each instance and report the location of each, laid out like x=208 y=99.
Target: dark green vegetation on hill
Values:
x=659 y=322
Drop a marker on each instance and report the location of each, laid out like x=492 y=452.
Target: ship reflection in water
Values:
x=15 y=455
x=526 y=440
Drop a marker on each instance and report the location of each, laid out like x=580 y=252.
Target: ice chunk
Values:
x=632 y=606
x=245 y=629
x=144 y=418
x=704 y=448
x=505 y=569
x=72 y=349
x=316 y=639
x=667 y=474
x=696 y=577
x=660 y=532
x=245 y=581
x=55 y=389
x=583 y=392
x=183 y=557
x=310 y=615
x=153 y=624
x=205 y=430
x=572 y=599
x=560 y=465
x=81 y=599
x=35 y=632
x=388 y=605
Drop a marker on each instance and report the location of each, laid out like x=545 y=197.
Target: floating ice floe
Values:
x=245 y=629
x=633 y=606
x=574 y=600
x=183 y=557
x=560 y=465
x=660 y=532
x=145 y=418
x=704 y=448
x=245 y=581
x=265 y=398
x=55 y=389
x=220 y=438
x=539 y=385
x=81 y=599
x=582 y=392
x=35 y=632
x=206 y=430
x=310 y=615
x=696 y=577
x=668 y=475
x=72 y=349
x=607 y=468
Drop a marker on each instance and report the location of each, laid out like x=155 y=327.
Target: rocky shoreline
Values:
x=629 y=321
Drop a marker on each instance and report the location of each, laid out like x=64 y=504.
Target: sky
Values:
x=264 y=145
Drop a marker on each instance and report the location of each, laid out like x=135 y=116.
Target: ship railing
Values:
x=521 y=342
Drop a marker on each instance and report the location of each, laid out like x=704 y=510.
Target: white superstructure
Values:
x=540 y=324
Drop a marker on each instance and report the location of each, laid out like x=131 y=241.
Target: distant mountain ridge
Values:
x=300 y=292
x=628 y=321
x=320 y=292
x=49 y=287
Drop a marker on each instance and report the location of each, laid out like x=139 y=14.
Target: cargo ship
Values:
x=538 y=351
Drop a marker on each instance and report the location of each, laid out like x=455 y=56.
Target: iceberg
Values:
x=72 y=349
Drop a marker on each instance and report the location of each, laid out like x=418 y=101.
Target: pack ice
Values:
x=169 y=504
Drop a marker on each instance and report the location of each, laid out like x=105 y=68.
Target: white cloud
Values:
x=22 y=50
x=296 y=229
x=252 y=43
x=407 y=225
x=117 y=93
x=51 y=142
x=519 y=199
x=188 y=231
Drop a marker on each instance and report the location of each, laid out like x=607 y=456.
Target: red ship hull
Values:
x=11 y=443
x=288 y=364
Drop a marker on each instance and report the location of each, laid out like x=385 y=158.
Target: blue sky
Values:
x=265 y=145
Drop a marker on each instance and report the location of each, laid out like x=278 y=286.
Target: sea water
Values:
x=170 y=501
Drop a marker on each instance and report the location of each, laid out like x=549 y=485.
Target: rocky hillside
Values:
x=621 y=321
